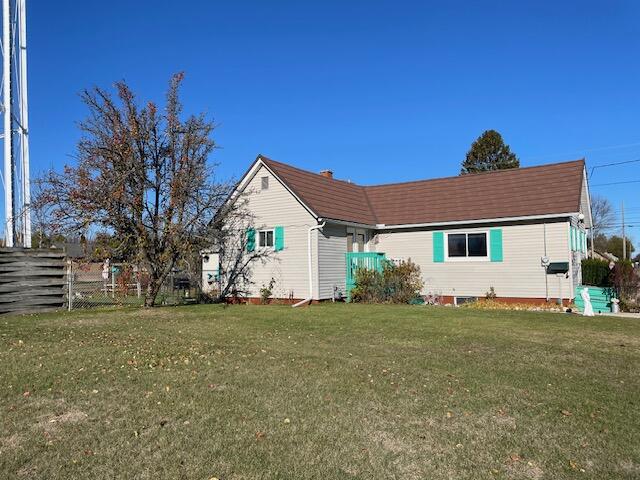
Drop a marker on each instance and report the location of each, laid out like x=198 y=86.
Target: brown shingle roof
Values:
x=327 y=197
x=541 y=190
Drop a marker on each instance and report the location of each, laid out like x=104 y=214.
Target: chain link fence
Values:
x=94 y=284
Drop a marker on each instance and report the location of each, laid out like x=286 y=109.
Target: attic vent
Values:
x=264 y=183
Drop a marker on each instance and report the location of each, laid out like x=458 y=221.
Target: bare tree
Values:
x=602 y=213
x=237 y=253
x=143 y=174
x=45 y=232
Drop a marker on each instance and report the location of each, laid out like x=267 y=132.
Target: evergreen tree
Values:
x=487 y=153
x=614 y=245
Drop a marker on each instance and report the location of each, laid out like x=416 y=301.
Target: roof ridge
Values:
x=468 y=175
x=371 y=209
x=533 y=190
x=348 y=182
x=477 y=174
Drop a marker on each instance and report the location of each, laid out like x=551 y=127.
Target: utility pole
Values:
x=9 y=232
x=24 y=125
x=624 y=238
x=16 y=179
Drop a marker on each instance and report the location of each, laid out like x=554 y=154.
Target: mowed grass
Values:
x=326 y=392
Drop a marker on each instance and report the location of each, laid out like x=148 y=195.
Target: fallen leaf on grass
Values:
x=566 y=413
x=260 y=435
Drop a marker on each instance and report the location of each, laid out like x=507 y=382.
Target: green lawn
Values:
x=331 y=391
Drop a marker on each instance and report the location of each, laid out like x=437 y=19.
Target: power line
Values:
x=614 y=183
x=582 y=151
x=612 y=164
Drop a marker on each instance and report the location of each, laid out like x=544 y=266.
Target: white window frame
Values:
x=467 y=258
x=273 y=237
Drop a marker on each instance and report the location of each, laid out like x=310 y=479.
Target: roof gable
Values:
x=327 y=197
x=532 y=191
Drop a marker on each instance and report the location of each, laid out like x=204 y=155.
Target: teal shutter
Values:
x=571 y=244
x=278 y=241
x=573 y=238
x=495 y=244
x=251 y=239
x=438 y=247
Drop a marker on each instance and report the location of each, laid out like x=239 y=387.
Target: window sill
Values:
x=466 y=259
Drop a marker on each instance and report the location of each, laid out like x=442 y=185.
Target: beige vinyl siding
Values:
x=332 y=246
x=520 y=274
x=584 y=204
x=289 y=267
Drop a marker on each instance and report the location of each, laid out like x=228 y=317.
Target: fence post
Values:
x=113 y=282
x=136 y=270
x=70 y=284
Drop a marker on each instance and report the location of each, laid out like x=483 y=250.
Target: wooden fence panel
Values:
x=31 y=280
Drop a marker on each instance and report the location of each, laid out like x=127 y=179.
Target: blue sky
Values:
x=378 y=91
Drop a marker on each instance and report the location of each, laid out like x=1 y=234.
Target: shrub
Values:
x=266 y=291
x=369 y=286
x=630 y=306
x=491 y=294
x=596 y=272
x=394 y=284
x=627 y=283
x=125 y=279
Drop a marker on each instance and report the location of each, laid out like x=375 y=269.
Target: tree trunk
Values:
x=152 y=291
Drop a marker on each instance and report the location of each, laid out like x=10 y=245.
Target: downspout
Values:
x=546 y=276
x=571 y=286
x=309 y=254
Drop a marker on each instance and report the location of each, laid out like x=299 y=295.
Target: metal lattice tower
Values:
x=15 y=176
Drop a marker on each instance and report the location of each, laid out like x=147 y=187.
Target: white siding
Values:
x=289 y=267
x=332 y=246
x=584 y=203
x=520 y=274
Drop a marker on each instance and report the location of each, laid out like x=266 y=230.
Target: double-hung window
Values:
x=265 y=239
x=467 y=246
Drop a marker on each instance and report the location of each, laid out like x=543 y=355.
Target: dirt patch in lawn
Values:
x=526 y=470
x=27 y=471
x=11 y=442
x=49 y=423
